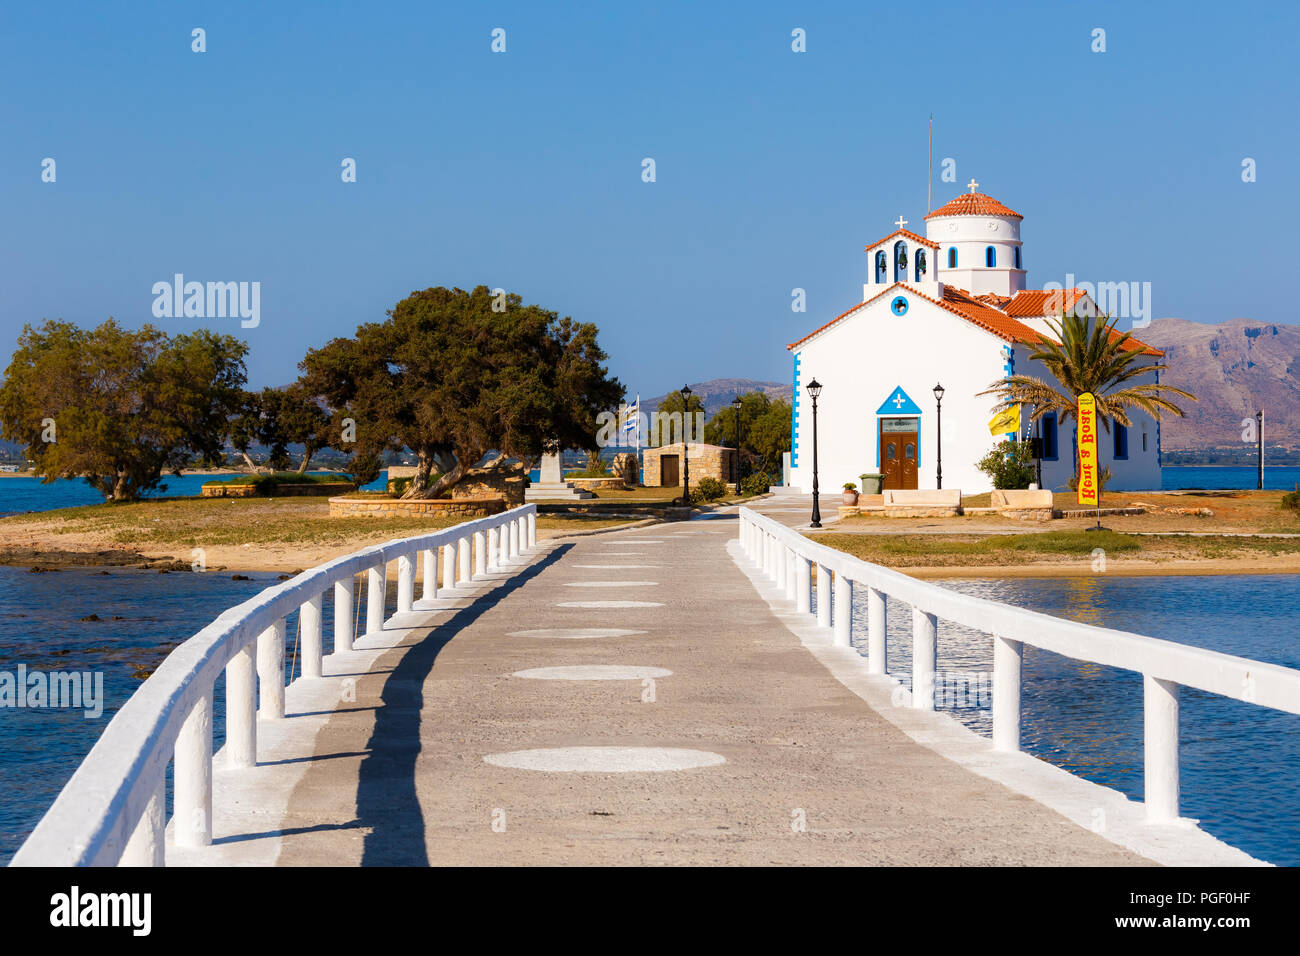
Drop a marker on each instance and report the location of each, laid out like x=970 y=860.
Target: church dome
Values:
x=979 y=244
x=973 y=204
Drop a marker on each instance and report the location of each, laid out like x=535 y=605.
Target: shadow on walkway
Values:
x=387 y=802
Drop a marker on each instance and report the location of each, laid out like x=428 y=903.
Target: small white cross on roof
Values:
x=898 y=400
x=972 y=184
x=901 y=222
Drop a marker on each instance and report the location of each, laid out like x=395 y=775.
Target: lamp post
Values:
x=938 y=436
x=1259 y=437
x=815 y=389
x=735 y=408
x=686 y=447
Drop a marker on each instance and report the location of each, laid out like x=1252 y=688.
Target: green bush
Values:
x=1009 y=465
x=1291 y=501
x=708 y=489
x=755 y=484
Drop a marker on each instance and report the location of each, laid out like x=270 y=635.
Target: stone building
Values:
x=662 y=466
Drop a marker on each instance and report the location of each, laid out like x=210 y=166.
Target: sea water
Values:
x=1240 y=763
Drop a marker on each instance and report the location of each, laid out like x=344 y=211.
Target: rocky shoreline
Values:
x=43 y=559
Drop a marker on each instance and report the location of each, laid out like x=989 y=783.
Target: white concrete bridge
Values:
x=658 y=694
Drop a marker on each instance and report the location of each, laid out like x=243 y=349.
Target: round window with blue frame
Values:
x=899 y=305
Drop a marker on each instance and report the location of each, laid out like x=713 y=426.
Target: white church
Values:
x=951 y=310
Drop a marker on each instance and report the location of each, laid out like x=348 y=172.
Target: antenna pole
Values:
x=929 y=173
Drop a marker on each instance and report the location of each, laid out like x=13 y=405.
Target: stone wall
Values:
x=504 y=483
x=596 y=484
x=380 y=507
x=626 y=467
x=309 y=489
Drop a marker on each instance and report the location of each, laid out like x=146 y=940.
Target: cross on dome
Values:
x=972 y=184
x=901 y=222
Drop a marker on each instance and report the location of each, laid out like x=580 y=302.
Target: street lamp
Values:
x=735 y=407
x=815 y=389
x=686 y=448
x=1259 y=437
x=938 y=436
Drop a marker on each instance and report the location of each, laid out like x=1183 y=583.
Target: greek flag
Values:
x=630 y=413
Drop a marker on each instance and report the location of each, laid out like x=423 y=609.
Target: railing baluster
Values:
x=376 y=586
x=791 y=575
x=1160 y=748
x=313 y=641
x=493 y=548
x=514 y=539
x=241 y=708
x=925 y=632
x=429 y=576
x=192 y=776
x=877 y=635
x=803 y=584
x=843 y=610
x=147 y=844
x=823 y=596
x=1007 y=658
x=464 y=560
x=449 y=565
x=343 y=614
x=480 y=554
x=405 y=583
x=270 y=671
x=530 y=522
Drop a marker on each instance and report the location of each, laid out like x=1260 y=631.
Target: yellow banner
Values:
x=1088 y=474
x=1004 y=422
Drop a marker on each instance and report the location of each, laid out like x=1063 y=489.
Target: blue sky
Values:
x=523 y=170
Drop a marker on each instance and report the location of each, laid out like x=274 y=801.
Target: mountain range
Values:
x=1234 y=369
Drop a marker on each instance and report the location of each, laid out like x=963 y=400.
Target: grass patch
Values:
x=963 y=550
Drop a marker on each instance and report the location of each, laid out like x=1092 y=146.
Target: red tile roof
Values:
x=1036 y=303
x=982 y=312
x=974 y=204
x=1032 y=303
x=985 y=316
x=902 y=232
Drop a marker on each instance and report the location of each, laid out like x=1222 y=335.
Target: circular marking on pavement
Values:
x=593 y=672
x=602 y=605
x=576 y=633
x=606 y=759
x=612 y=584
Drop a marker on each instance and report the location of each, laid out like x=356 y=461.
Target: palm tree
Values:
x=1089 y=357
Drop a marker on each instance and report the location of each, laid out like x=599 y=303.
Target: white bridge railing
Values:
x=112 y=810
x=787 y=558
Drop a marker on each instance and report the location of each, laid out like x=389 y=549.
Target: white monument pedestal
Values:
x=551 y=485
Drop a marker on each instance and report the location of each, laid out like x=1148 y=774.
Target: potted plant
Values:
x=871 y=483
x=850 y=493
